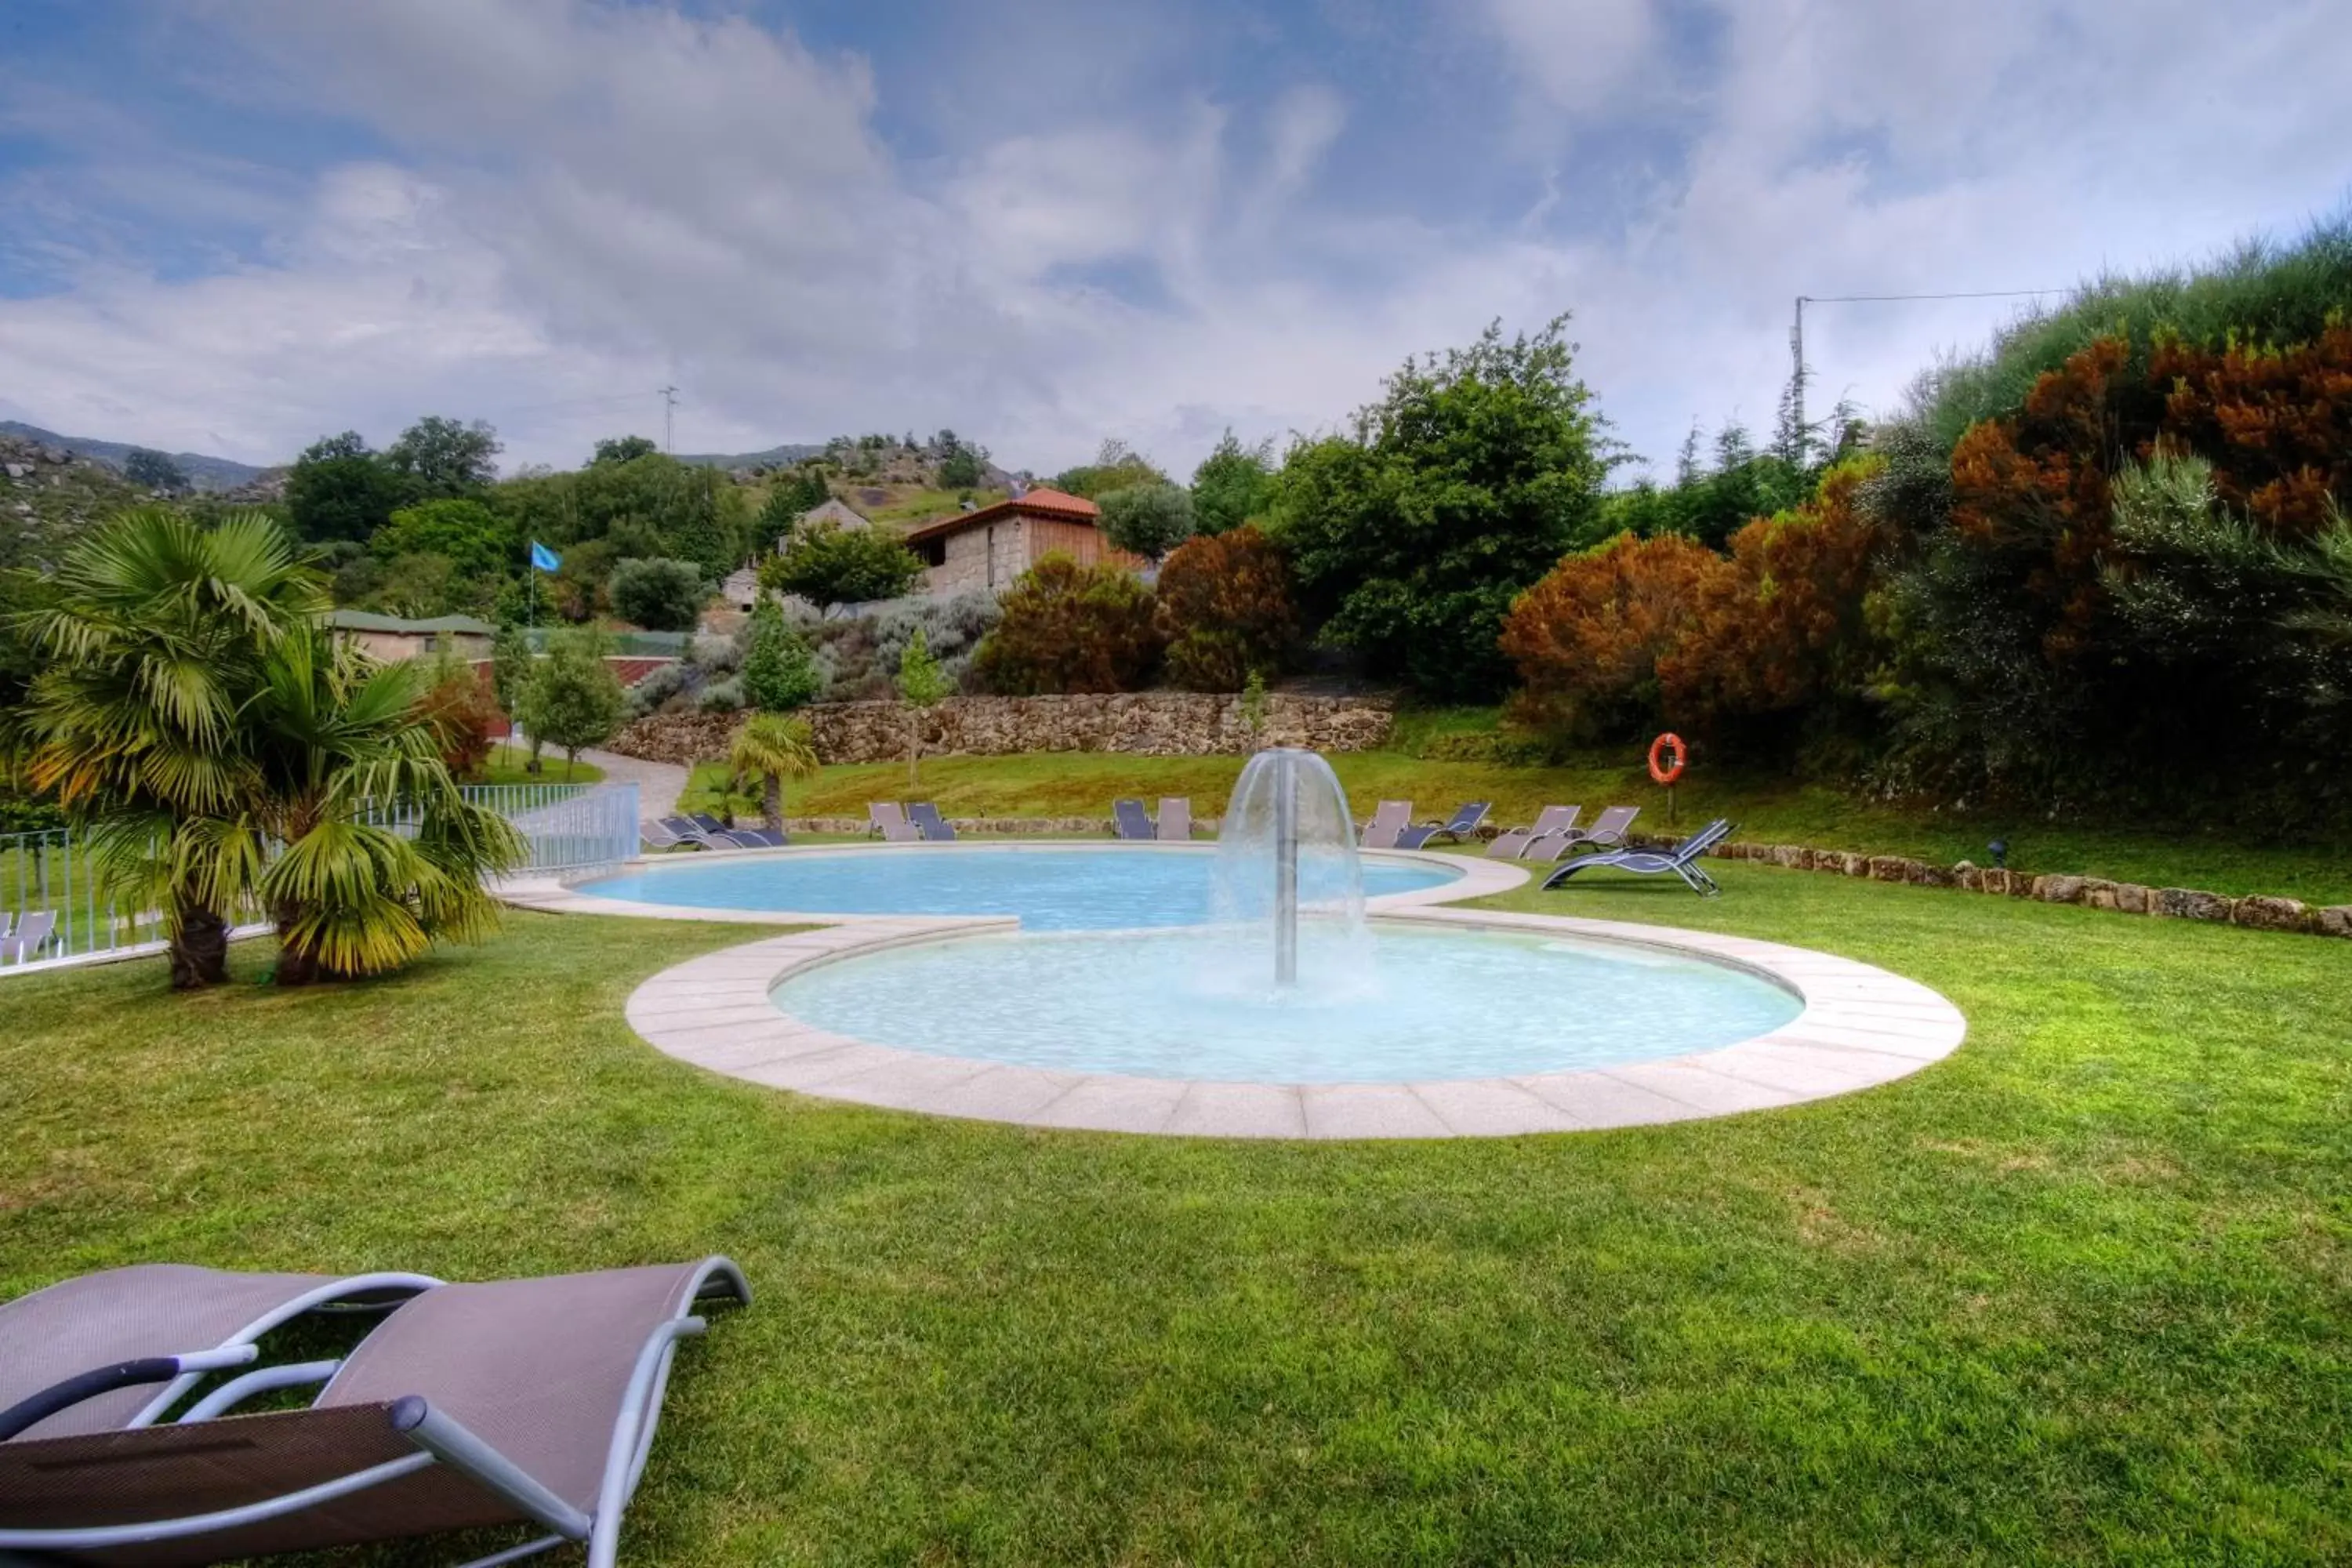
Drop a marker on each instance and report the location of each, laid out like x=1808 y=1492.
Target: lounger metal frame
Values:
x=441 y=1439
x=1681 y=860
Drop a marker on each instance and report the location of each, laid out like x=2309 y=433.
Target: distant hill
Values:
x=204 y=471
x=773 y=458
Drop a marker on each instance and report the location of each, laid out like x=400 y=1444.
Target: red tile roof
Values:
x=1039 y=503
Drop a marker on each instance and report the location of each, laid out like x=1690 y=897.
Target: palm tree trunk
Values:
x=199 y=949
x=771 y=803
x=295 y=965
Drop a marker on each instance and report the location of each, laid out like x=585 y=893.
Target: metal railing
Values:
x=49 y=890
x=642 y=645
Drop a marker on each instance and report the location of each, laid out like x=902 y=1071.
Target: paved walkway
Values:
x=658 y=784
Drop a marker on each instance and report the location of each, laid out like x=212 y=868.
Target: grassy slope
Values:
x=2079 y=1293
x=509 y=766
x=1769 y=809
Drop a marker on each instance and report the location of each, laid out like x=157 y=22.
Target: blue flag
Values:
x=542 y=558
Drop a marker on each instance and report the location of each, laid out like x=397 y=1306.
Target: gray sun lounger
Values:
x=1681 y=860
x=1391 y=818
x=32 y=933
x=891 y=822
x=1608 y=833
x=1460 y=826
x=1130 y=820
x=751 y=838
x=173 y=1321
x=525 y=1402
x=929 y=822
x=1175 y=824
x=1552 y=820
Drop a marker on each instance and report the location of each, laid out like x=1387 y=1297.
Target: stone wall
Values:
x=1142 y=723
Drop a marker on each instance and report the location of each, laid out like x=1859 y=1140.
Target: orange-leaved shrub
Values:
x=1782 y=627
x=463 y=712
x=1067 y=627
x=1587 y=637
x=1224 y=608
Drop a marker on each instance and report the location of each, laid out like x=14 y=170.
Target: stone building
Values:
x=990 y=547
x=392 y=638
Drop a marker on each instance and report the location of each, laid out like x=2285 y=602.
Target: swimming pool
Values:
x=1398 y=1006
x=1077 y=888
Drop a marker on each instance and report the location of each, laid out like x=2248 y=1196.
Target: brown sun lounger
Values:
x=1175 y=824
x=525 y=1402
x=889 y=819
x=181 y=1322
x=1388 y=823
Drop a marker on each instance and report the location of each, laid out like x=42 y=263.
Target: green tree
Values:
x=829 y=565
x=779 y=671
x=1115 y=467
x=773 y=748
x=221 y=752
x=961 y=468
x=419 y=586
x=440 y=456
x=574 y=700
x=660 y=595
x=510 y=665
x=471 y=537
x=1460 y=487
x=1233 y=485
x=338 y=488
x=622 y=449
x=922 y=685
x=153 y=470
x=1148 y=520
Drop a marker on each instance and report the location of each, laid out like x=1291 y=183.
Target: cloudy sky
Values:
x=230 y=226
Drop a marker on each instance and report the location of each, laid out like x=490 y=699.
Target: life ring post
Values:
x=1668 y=756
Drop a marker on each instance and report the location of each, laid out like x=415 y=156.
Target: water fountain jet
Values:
x=1287 y=842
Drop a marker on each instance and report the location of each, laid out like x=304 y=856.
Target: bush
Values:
x=1067 y=628
x=659 y=594
x=660 y=684
x=1224 y=608
x=1148 y=520
x=723 y=696
x=829 y=565
x=462 y=712
x=779 y=673
x=1588 y=638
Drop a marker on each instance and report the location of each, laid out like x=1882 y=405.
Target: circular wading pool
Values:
x=1394 y=1004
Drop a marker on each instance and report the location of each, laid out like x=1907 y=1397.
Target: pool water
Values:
x=1400 y=1005
x=1049 y=890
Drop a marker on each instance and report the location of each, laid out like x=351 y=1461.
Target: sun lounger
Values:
x=707 y=822
x=1552 y=820
x=1175 y=824
x=523 y=1402
x=671 y=832
x=928 y=820
x=1460 y=826
x=751 y=838
x=173 y=1321
x=1129 y=820
x=1391 y=818
x=1607 y=833
x=891 y=822
x=1681 y=860
x=31 y=933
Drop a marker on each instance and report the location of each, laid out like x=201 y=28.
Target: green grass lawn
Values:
x=2081 y=1293
x=1769 y=808
x=510 y=766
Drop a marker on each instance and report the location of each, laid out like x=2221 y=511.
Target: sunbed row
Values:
x=525 y=1403
x=703 y=831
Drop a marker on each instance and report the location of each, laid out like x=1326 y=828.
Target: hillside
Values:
x=779 y=457
x=204 y=471
x=49 y=493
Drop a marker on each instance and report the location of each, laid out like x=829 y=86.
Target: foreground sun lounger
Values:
x=1552 y=820
x=1175 y=825
x=1459 y=827
x=928 y=820
x=891 y=822
x=172 y=1321
x=31 y=933
x=1681 y=860
x=1390 y=819
x=1130 y=821
x=523 y=1402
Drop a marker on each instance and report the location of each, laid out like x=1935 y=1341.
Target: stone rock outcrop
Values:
x=2059 y=889
x=1141 y=724
x=2265 y=913
x=2336 y=920
x=2191 y=904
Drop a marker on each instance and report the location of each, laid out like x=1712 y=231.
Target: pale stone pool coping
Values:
x=1861 y=1026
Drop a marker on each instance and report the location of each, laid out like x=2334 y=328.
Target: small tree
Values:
x=510 y=662
x=780 y=673
x=1067 y=627
x=573 y=699
x=773 y=748
x=461 y=711
x=1232 y=485
x=659 y=594
x=1253 y=709
x=960 y=469
x=829 y=565
x=1225 y=606
x=923 y=685
x=1148 y=520
x=153 y=470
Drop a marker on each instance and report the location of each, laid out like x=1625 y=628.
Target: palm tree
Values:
x=155 y=637
x=773 y=748
x=228 y=761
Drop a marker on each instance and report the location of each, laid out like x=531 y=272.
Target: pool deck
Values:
x=1861 y=1026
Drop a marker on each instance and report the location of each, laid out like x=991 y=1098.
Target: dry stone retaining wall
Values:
x=1142 y=723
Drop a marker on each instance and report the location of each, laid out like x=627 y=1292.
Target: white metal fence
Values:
x=51 y=907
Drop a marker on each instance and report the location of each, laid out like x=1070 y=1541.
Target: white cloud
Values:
x=585 y=202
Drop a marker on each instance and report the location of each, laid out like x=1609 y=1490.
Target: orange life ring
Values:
x=1661 y=772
